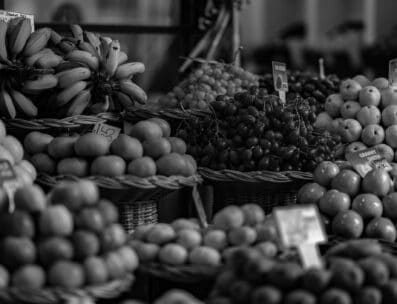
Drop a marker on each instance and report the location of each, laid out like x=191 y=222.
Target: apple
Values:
x=325 y=172
x=348 y=224
x=334 y=128
x=385 y=151
x=350 y=109
x=350 y=130
x=372 y=135
x=380 y=83
x=323 y=121
x=349 y=89
x=378 y=182
x=334 y=202
x=369 y=96
x=367 y=205
x=368 y=115
x=362 y=80
x=354 y=147
x=390 y=205
x=381 y=228
x=389 y=97
x=310 y=193
x=391 y=136
x=393 y=173
x=389 y=115
x=347 y=181
x=333 y=104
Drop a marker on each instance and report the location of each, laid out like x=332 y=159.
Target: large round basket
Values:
x=137 y=198
x=109 y=291
x=265 y=188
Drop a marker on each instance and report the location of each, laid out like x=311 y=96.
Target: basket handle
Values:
x=198 y=204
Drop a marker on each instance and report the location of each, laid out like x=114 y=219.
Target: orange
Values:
x=146 y=252
x=204 y=255
x=85 y=243
x=54 y=249
x=56 y=220
x=36 y=142
x=182 y=223
x=127 y=147
x=173 y=254
x=141 y=232
x=17 y=251
x=113 y=237
x=73 y=166
x=108 y=165
x=160 y=234
x=171 y=164
x=18 y=223
x=164 y=125
x=95 y=270
x=43 y=163
x=30 y=198
x=129 y=258
x=14 y=146
x=178 y=145
x=91 y=145
x=242 y=236
x=190 y=165
x=145 y=130
x=142 y=167
x=228 y=218
x=66 y=274
x=216 y=239
x=67 y=194
x=23 y=176
x=89 y=192
x=109 y=211
x=188 y=238
x=114 y=265
x=156 y=147
x=28 y=276
x=61 y=147
x=90 y=219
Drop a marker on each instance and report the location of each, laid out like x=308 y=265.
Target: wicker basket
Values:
x=137 y=198
x=265 y=188
x=108 y=291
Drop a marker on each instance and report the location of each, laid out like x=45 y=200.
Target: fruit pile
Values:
x=69 y=239
x=362 y=274
x=363 y=113
x=182 y=242
x=146 y=151
x=353 y=206
x=254 y=131
x=204 y=84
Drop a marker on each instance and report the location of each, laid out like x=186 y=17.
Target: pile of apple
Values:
x=357 y=272
x=183 y=242
x=352 y=206
x=364 y=114
x=146 y=151
x=69 y=238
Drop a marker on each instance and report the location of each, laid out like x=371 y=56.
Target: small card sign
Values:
x=108 y=131
x=7 y=16
x=393 y=72
x=280 y=79
x=366 y=160
x=301 y=227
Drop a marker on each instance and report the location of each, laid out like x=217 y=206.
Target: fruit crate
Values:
x=265 y=188
x=137 y=198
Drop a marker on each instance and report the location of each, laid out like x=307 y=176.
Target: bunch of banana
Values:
x=95 y=75
x=27 y=66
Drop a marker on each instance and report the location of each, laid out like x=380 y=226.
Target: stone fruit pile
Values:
x=364 y=114
x=352 y=206
x=204 y=84
x=69 y=239
x=254 y=131
x=182 y=242
x=361 y=274
x=146 y=151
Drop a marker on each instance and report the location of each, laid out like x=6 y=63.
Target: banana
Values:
x=124 y=100
x=93 y=39
x=19 y=36
x=31 y=60
x=105 y=44
x=70 y=92
x=24 y=104
x=12 y=24
x=111 y=59
x=66 y=46
x=69 y=77
x=55 y=37
x=3 y=42
x=7 y=107
x=84 y=57
x=122 y=57
x=77 y=32
x=127 y=70
x=133 y=91
x=79 y=103
x=101 y=107
x=68 y=65
x=85 y=46
x=37 y=41
x=41 y=82
x=48 y=61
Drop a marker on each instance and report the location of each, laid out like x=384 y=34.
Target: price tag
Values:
x=393 y=72
x=7 y=16
x=366 y=160
x=301 y=227
x=321 y=68
x=280 y=79
x=107 y=131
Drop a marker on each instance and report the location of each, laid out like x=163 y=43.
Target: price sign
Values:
x=7 y=16
x=366 y=160
x=107 y=131
x=280 y=79
x=301 y=227
x=393 y=72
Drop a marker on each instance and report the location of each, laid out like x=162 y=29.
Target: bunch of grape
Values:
x=205 y=83
x=255 y=131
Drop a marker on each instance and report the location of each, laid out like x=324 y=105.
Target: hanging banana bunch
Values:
x=26 y=67
x=95 y=75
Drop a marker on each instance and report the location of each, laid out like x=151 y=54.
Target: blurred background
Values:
x=353 y=36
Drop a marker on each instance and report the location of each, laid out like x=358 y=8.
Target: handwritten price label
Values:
x=110 y=132
x=7 y=16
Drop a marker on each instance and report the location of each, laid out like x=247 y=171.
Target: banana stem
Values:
x=218 y=37
x=236 y=34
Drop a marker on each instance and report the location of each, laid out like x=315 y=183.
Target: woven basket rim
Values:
x=150 y=111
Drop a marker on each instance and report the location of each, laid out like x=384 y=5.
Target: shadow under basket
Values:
x=265 y=188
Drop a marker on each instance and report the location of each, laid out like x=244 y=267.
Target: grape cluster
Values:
x=205 y=83
x=255 y=131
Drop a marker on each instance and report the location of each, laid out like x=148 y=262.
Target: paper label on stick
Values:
x=105 y=130
x=366 y=160
x=393 y=72
x=280 y=79
x=7 y=16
